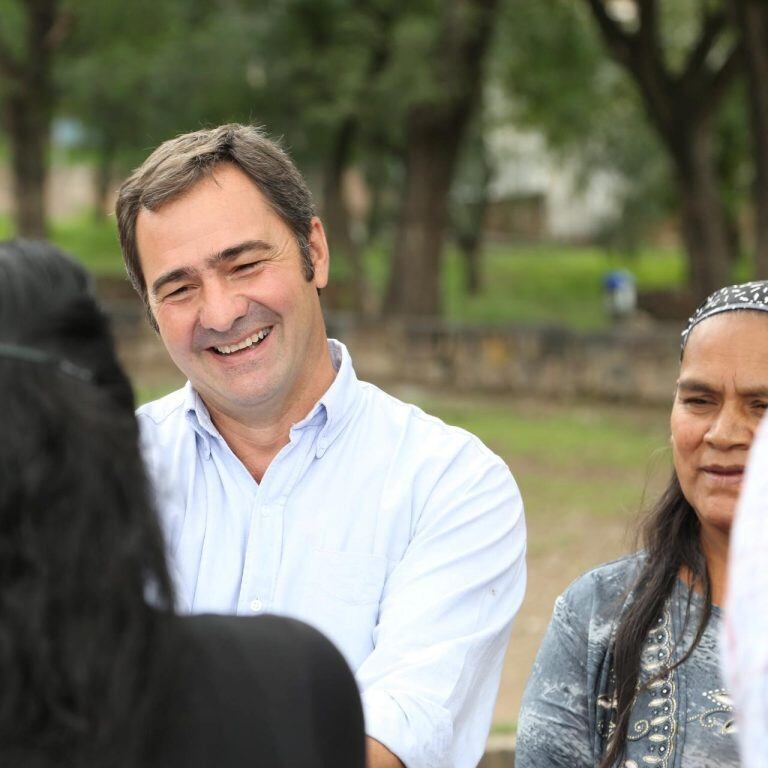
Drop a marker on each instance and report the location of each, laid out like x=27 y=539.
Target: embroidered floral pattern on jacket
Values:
x=720 y=704
x=680 y=719
x=659 y=723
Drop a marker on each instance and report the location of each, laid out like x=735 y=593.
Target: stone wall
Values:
x=622 y=364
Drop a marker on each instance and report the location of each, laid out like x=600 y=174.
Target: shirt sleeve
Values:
x=430 y=685
x=554 y=725
x=745 y=645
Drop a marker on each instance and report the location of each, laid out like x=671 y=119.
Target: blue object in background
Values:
x=620 y=292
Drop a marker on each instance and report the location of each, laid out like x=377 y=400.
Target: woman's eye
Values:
x=696 y=401
x=760 y=405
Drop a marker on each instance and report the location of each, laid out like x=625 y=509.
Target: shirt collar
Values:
x=333 y=410
x=337 y=404
x=198 y=418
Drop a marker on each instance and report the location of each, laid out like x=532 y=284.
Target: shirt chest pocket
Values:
x=341 y=598
x=353 y=578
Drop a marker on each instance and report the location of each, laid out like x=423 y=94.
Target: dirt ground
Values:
x=548 y=575
x=563 y=540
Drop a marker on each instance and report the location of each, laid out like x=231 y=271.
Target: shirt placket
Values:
x=265 y=541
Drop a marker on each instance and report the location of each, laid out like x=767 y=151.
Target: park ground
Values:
x=585 y=470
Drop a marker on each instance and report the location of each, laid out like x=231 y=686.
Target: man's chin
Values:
x=236 y=399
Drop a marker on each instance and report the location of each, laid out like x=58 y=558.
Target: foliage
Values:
x=166 y=72
x=559 y=81
x=554 y=284
x=136 y=73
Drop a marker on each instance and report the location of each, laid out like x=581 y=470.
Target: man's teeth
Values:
x=255 y=339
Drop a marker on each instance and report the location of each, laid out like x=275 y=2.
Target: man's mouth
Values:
x=255 y=340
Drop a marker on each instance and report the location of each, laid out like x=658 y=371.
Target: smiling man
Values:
x=285 y=484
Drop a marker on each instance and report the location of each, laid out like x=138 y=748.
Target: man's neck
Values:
x=258 y=436
x=254 y=444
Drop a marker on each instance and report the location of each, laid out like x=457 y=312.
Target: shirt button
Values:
x=256 y=605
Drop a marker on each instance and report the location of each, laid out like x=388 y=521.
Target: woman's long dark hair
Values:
x=81 y=552
x=670 y=536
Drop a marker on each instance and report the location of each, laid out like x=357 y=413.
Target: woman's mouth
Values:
x=724 y=475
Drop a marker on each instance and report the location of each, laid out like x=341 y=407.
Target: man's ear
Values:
x=318 y=253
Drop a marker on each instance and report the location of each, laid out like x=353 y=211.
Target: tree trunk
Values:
x=704 y=220
x=27 y=124
x=752 y=19
x=682 y=106
x=435 y=129
x=471 y=251
x=414 y=280
x=27 y=113
x=469 y=213
x=337 y=218
x=102 y=183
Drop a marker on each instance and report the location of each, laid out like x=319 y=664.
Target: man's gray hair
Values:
x=178 y=164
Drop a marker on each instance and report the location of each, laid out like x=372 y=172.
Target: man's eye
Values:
x=247 y=267
x=177 y=293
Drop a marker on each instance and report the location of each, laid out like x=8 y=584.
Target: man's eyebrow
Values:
x=694 y=385
x=236 y=250
x=171 y=277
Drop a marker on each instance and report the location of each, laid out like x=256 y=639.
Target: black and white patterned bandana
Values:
x=731 y=299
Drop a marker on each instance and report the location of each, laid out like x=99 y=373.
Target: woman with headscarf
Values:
x=96 y=670
x=628 y=672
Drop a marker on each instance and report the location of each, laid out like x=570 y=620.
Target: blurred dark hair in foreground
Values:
x=81 y=551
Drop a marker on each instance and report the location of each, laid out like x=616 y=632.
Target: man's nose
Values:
x=221 y=307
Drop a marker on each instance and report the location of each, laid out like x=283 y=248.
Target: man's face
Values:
x=226 y=286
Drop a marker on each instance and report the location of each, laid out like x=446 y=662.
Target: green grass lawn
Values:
x=534 y=284
x=92 y=241
x=585 y=471
x=556 y=284
x=599 y=462
x=551 y=284
x=595 y=459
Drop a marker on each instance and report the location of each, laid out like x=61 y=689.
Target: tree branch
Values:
x=8 y=65
x=60 y=29
x=643 y=58
x=618 y=41
x=711 y=28
x=716 y=84
x=648 y=32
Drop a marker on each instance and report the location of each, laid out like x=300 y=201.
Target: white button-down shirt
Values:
x=746 y=615
x=400 y=537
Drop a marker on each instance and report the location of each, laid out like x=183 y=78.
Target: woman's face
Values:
x=722 y=394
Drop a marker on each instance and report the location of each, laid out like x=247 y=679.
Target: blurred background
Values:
x=524 y=200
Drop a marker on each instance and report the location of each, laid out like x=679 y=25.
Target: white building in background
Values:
x=536 y=195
